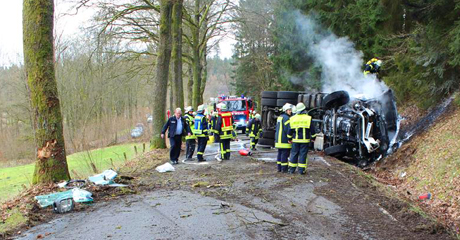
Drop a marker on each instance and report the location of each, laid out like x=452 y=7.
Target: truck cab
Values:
x=240 y=108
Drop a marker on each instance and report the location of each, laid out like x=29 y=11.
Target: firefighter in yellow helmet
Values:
x=282 y=143
x=300 y=136
x=190 y=141
x=201 y=132
x=255 y=129
x=373 y=67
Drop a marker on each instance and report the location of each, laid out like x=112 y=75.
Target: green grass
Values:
x=13 y=179
x=16 y=219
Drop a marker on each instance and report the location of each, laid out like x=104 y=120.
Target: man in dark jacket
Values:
x=177 y=127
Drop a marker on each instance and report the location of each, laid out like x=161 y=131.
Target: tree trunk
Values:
x=51 y=162
x=205 y=72
x=160 y=85
x=190 y=85
x=177 y=53
x=196 y=60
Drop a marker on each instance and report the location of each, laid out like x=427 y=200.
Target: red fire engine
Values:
x=240 y=108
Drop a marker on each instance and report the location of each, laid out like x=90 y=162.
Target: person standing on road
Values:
x=283 y=127
x=200 y=130
x=224 y=131
x=255 y=129
x=300 y=136
x=190 y=141
x=177 y=127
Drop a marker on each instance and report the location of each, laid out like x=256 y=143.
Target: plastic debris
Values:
x=104 y=178
x=426 y=196
x=78 y=195
x=167 y=167
x=245 y=152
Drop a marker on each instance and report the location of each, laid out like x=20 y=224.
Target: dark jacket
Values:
x=171 y=125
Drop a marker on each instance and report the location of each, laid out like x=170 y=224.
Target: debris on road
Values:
x=245 y=152
x=167 y=167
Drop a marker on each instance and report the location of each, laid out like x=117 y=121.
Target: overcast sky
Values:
x=11 y=29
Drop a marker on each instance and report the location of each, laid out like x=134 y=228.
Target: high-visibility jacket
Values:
x=224 y=125
x=300 y=128
x=283 y=126
x=212 y=124
x=255 y=128
x=191 y=123
x=200 y=128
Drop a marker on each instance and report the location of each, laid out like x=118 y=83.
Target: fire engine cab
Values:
x=240 y=108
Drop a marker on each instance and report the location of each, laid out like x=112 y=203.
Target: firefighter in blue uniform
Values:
x=190 y=141
x=282 y=143
x=255 y=129
x=200 y=130
x=300 y=136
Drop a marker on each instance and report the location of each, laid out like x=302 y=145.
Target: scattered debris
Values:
x=167 y=167
x=245 y=152
x=403 y=174
x=224 y=205
x=200 y=184
x=185 y=216
x=78 y=195
x=104 y=178
x=426 y=196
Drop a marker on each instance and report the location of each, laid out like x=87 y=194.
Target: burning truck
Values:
x=354 y=129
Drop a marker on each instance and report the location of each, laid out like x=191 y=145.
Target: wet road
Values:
x=244 y=198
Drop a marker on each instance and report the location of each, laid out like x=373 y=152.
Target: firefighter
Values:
x=190 y=141
x=212 y=124
x=300 y=136
x=223 y=131
x=255 y=129
x=283 y=127
x=200 y=130
x=373 y=67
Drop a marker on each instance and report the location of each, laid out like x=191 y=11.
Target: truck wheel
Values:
x=319 y=100
x=306 y=100
x=269 y=102
x=270 y=94
x=268 y=134
x=287 y=95
x=336 y=99
x=312 y=101
x=336 y=151
x=267 y=142
x=281 y=102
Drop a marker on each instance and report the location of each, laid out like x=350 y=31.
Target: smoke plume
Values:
x=341 y=64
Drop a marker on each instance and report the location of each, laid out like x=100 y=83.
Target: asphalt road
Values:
x=245 y=198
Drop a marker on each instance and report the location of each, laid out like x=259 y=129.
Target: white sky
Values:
x=11 y=29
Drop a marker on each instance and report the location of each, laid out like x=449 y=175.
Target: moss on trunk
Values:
x=51 y=163
x=162 y=73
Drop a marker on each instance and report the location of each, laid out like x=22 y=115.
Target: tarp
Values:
x=78 y=195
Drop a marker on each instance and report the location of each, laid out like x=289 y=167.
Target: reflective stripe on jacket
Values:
x=224 y=126
x=283 y=127
x=255 y=128
x=191 y=123
x=300 y=128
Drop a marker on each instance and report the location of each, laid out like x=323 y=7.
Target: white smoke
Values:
x=340 y=62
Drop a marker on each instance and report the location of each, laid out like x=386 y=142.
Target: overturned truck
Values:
x=354 y=129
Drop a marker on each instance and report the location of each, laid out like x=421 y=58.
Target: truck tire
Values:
x=319 y=100
x=270 y=94
x=268 y=102
x=336 y=151
x=269 y=134
x=287 y=95
x=281 y=102
x=336 y=99
x=306 y=100
x=266 y=142
x=312 y=101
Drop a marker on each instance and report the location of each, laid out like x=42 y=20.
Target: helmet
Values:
x=215 y=114
x=258 y=116
x=294 y=109
x=200 y=109
x=300 y=107
x=287 y=106
x=378 y=63
x=189 y=109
